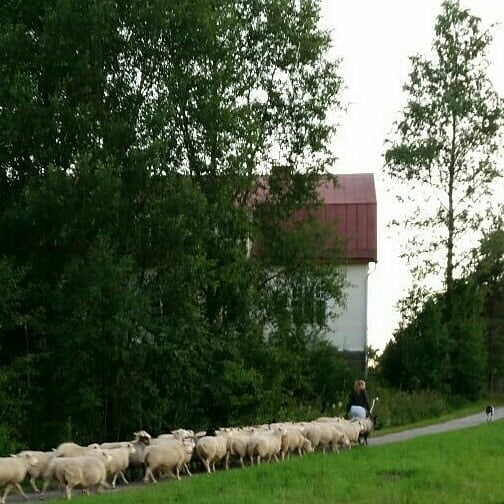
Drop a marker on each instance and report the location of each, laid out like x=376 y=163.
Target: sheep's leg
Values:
x=149 y=475
x=114 y=479
x=226 y=461
x=18 y=486
x=206 y=463
x=177 y=472
x=68 y=490
x=123 y=477
x=33 y=485
x=8 y=488
x=45 y=485
x=275 y=457
x=241 y=461
x=186 y=467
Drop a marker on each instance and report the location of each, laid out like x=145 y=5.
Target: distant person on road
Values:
x=358 y=402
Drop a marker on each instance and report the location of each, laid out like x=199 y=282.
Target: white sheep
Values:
x=312 y=432
x=169 y=456
x=236 y=445
x=211 y=449
x=37 y=470
x=353 y=429
x=265 y=444
x=178 y=434
x=13 y=471
x=109 y=445
x=72 y=450
x=367 y=427
x=331 y=437
x=55 y=468
x=86 y=471
x=294 y=441
x=120 y=459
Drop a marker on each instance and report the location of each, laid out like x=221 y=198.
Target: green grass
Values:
x=457 y=467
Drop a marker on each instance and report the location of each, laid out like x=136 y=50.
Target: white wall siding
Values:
x=349 y=331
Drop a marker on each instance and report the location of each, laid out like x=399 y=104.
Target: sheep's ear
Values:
x=54 y=450
x=13 y=455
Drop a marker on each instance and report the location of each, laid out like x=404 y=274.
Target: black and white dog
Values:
x=490 y=411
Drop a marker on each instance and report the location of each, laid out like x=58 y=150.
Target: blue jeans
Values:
x=357 y=412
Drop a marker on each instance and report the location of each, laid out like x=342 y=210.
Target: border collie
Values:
x=490 y=411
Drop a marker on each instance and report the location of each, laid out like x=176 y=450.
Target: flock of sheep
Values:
x=71 y=465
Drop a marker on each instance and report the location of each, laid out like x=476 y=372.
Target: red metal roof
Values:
x=351 y=208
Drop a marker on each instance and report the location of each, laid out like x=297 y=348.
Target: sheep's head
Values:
x=142 y=436
x=344 y=441
x=29 y=457
x=307 y=446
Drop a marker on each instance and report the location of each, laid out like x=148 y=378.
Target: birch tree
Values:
x=445 y=145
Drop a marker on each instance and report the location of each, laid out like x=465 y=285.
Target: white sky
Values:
x=374 y=39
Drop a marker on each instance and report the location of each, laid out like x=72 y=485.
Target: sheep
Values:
x=110 y=445
x=142 y=435
x=293 y=441
x=367 y=428
x=189 y=446
x=236 y=446
x=332 y=437
x=37 y=470
x=265 y=445
x=211 y=449
x=55 y=470
x=120 y=459
x=353 y=429
x=306 y=446
x=85 y=470
x=312 y=432
x=169 y=456
x=72 y=450
x=178 y=434
x=187 y=442
x=13 y=470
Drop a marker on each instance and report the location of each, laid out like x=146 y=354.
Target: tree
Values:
x=445 y=145
x=418 y=357
x=488 y=273
x=134 y=138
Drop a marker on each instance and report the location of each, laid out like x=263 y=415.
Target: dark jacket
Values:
x=358 y=399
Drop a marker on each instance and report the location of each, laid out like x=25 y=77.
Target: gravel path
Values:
x=459 y=423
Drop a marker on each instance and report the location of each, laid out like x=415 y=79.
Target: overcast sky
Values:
x=375 y=38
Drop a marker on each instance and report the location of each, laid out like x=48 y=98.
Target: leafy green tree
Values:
x=445 y=146
x=489 y=274
x=134 y=141
x=418 y=357
x=443 y=158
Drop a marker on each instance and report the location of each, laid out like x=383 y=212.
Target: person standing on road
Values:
x=358 y=402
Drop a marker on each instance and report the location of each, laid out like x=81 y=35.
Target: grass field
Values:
x=463 y=466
